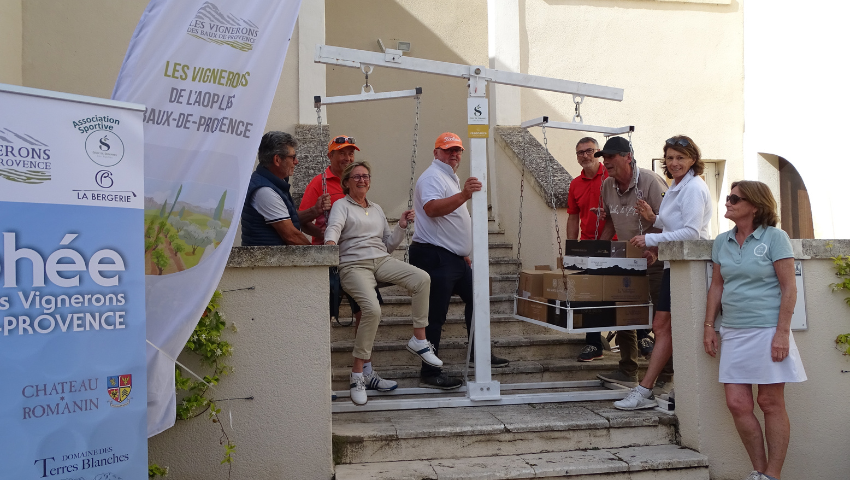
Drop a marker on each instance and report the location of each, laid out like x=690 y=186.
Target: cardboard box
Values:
x=595 y=248
x=531 y=283
x=625 y=288
x=633 y=251
x=531 y=309
x=606 y=266
x=632 y=315
x=588 y=288
x=588 y=315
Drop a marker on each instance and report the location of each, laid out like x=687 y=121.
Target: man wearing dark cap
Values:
x=441 y=246
x=269 y=216
x=620 y=192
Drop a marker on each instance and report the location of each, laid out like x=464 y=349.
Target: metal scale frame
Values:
x=577 y=125
x=483 y=391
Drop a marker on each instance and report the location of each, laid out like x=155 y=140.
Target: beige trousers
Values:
x=359 y=280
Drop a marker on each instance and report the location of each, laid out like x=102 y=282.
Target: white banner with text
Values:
x=207 y=72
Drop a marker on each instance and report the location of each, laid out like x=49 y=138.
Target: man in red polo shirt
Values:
x=341 y=153
x=583 y=203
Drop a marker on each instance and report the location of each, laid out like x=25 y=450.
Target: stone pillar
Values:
x=277 y=297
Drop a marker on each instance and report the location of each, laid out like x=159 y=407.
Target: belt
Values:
x=434 y=247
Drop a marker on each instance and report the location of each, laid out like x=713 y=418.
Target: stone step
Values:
x=399 y=306
x=656 y=462
x=399 y=328
x=525 y=371
x=456 y=433
x=453 y=350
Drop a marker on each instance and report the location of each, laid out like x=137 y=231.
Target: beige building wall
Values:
x=681 y=65
x=11 y=41
x=445 y=30
x=68 y=47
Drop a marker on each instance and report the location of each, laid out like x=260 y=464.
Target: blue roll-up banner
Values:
x=72 y=301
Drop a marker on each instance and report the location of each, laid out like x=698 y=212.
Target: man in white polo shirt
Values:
x=441 y=246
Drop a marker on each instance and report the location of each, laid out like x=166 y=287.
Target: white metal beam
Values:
x=366 y=97
x=578 y=127
x=348 y=57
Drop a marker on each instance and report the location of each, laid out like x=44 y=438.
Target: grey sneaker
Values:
x=375 y=382
x=636 y=401
x=358 y=390
x=619 y=378
x=754 y=475
x=661 y=387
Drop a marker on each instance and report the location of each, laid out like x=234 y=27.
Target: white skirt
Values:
x=745 y=358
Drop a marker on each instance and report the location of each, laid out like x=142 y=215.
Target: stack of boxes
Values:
x=597 y=274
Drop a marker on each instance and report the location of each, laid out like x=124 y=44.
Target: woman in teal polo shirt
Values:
x=753 y=280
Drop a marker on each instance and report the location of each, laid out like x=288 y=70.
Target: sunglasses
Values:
x=734 y=199
x=673 y=141
x=344 y=140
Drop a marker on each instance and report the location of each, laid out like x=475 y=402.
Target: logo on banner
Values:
x=104 y=148
x=212 y=25
x=23 y=158
x=118 y=388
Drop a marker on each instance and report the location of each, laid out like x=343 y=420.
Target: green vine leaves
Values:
x=212 y=351
x=842 y=271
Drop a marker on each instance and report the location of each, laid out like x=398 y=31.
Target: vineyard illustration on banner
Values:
x=185 y=227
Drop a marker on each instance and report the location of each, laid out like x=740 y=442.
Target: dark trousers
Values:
x=450 y=275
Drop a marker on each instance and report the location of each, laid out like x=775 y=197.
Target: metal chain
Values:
x=555 y=212
x=321 y=158
x=325 y=190
x=519 y=231
x=599 y=208
x=412 y=175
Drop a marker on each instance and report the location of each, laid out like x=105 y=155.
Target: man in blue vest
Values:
x=269 y=216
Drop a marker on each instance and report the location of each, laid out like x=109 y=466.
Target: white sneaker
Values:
x=636 y=401
x=375 y=382
x=358 y=390
x=754 y=475
x=425 y=353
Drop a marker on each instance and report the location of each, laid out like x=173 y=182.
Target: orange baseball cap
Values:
x=341 y=141
x=448 y=140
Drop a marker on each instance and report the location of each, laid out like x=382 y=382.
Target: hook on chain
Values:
x=578 y=100
x=367 y=69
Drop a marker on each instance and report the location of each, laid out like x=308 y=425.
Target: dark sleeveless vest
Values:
x=255 y=231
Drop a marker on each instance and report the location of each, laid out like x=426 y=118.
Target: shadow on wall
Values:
x=443 y=30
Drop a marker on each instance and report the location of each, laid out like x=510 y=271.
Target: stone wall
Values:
x=278 y=302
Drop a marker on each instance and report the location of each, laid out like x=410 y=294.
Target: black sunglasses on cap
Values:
x=673 y=141
x=734 y=199
x=344 y=140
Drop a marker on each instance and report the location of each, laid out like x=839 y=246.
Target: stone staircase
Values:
x=557 y=440
x=537 y=354
x=577 y=440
